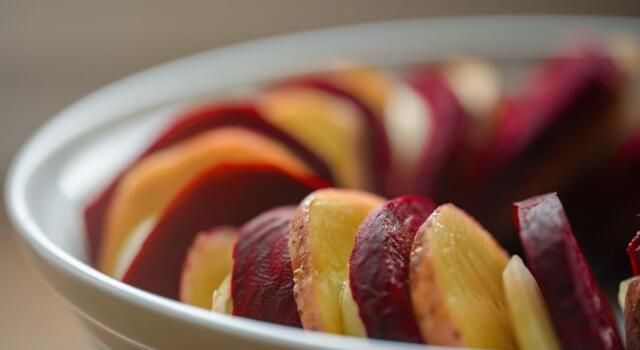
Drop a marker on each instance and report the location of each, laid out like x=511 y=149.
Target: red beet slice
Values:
x=447 y=128
x=224 y=195
x=262 y=278
x=552 y=131
x=632 y=315
x=378 y=143
x=192 y=123
x=561 y=90
x=379 y=268
x=578 y=309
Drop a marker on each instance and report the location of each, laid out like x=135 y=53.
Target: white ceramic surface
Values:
x=74 y=154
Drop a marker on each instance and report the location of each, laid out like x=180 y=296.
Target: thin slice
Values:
x=227 y=194
x=337 y=84
x=379 y=268
x=372 y=86
x=528 y=313
x=262 y=279
x=208 y=262
x=330 y=127
x=351 y=321
x=320 y=242
x=409 y=125
x=148 y=187
x=369 y=85
x=456 y=283
x=580 y=313
x=478 y=86
x=132 y=246
x=221 y=299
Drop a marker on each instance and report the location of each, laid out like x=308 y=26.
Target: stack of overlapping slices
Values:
x=274 y=207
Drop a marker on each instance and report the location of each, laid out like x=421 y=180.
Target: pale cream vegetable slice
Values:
x=408 y=122
x=207 y=263
x=456 y=283
x=372 y=86
x=351 y=321
x=478 y=86
x=527 y=310
x=330 y=127
x=320 y=243
x=132 y=246
x=221 y=299
x=476 y=83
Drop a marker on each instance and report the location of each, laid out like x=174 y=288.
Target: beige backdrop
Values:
x=54 y=52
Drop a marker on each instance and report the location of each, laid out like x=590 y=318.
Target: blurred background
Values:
x=54 y=52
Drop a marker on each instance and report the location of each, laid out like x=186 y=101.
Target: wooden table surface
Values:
x=54 y=52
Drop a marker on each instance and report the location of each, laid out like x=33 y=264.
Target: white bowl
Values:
x=78 y=151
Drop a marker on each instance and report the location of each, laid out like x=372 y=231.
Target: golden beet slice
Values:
x=328 y=126
x=528 y=313
x=221 y=299
x=208 y=262
x=147 y=188
x=351 y=320
x=320 y=243
x=478 y=86
x=371 y=86
x=367 y=91
x=456 y=283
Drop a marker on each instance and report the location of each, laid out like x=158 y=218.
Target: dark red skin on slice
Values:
x=633 y=251
x=199 y=120
x=227 y=194
x=262 y=278
x=632 y=315
x=546 y=99
x=447 y=126
x=378 y=143
x=379 y=268
x=578 y=309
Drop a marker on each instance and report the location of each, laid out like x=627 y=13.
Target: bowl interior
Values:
x=80 y=150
